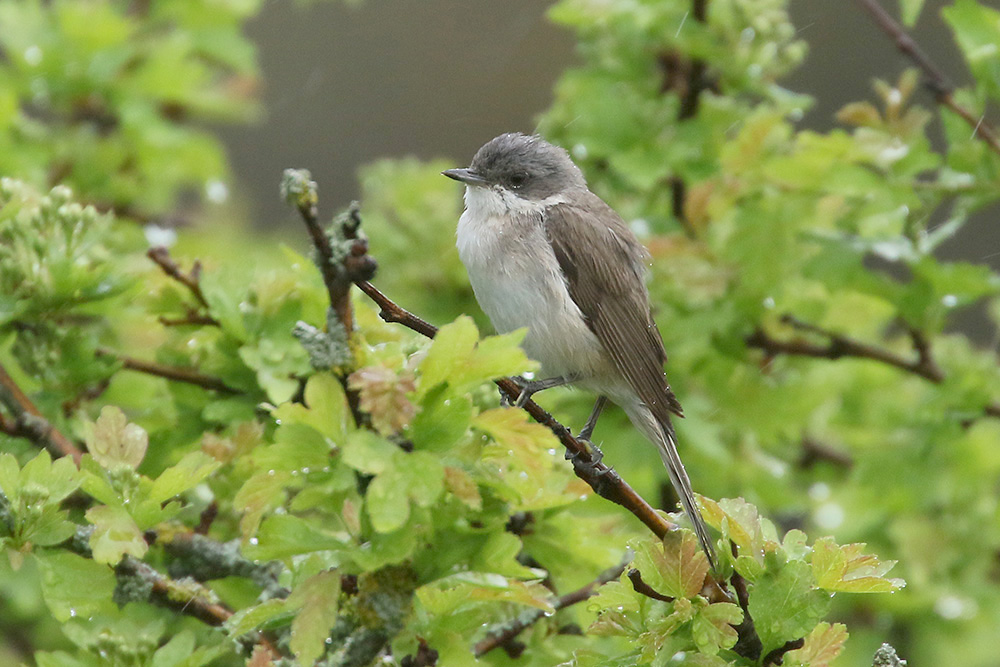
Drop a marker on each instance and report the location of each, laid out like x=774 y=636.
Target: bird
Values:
x=544 y=253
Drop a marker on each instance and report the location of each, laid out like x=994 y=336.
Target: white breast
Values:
x=518 y=282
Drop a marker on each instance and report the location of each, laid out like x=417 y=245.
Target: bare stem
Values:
x=840 y=346
x=938 y=83
x=503 y=634
x=27 y=421
x=175 y=373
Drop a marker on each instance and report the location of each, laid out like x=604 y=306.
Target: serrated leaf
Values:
x=113 y=441
x=416 y=477
x=317 y=599
x=59 y=478
x=452 y=346
x=675 y=566
x=283 y=535
x=325 y=409
x=368 y=452
x=461 y=485
x=822 y=645
x=712 y=627
x=443 y=420
x=73 y=585
x=115 y=534
x=846 y=569
x=785 y=604
x=186 y=474
x=259 y=494
x=458 y=357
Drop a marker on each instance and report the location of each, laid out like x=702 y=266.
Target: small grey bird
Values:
x=544 y=252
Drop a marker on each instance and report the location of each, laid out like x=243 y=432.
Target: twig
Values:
x=696 y=75
x=938 y=83
x=176 y=373
x=776 y=656
x=338 y=273
x=187 y=598
x=840 y=346
x=27 y=421
x=748 y=644
x=642 y=588
x=813 y=450
x=503 y=634
x=604 y=480
x=191 y=280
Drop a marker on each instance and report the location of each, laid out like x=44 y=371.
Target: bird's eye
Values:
x=518 y=179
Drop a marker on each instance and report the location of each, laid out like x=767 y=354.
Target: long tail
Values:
x=663 y=436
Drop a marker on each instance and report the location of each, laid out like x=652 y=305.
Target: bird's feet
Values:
x=531 y=387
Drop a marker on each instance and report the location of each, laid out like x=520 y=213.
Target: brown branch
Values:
x=642 y=588
x=27 y=421
x=748 y=644
x=503 y=634
x=938 y=83
x=175 y=373
x=602 y=479
x=814 y=451
x=190 y=280
x=776 y=657
x=840 y=346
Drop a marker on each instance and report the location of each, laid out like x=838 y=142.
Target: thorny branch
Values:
x=503 y=634
x=26 y=421
x=937 y=82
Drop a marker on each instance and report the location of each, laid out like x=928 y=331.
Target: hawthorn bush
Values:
x=219 y=453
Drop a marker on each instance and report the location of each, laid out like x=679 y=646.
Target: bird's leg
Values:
x=531 y=387
x=588 y=428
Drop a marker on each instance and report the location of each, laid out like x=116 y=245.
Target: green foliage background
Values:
x=365 y=506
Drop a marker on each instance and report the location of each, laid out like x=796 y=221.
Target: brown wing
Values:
x=603 y=265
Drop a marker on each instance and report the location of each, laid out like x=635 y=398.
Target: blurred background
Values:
x=346 y=84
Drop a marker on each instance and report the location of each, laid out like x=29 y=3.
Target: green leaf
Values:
x=186 y=474
x=251 y=618
x=845 y=568
x=712 y=627
x=910 y=10
x=368 y=452
x=283 y=535
x=113 y=441
x=822 y=645
x=453 y=344
x=73 y=585
x=785 y=604
x=259 y=494
x=443 y=420
x=416 y=477
x=458 y=357
x=674 y=566
x=977 y=31
x=317 y=598
x=115 y=534
x=59 y=478
x=325 y=409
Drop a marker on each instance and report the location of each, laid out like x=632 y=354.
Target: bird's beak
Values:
x=466 y=176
